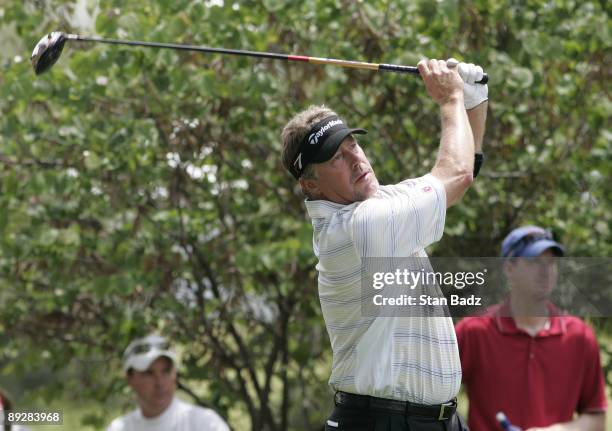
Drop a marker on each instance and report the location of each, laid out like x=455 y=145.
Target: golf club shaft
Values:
x=259 y=54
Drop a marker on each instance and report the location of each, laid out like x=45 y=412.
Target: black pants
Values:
x=343 y=418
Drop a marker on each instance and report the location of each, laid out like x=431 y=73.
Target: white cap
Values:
x=141 y=352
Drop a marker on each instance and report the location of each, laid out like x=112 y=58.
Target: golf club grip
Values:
x=415 y=71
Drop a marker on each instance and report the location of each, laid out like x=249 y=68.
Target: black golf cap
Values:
x=321 y=143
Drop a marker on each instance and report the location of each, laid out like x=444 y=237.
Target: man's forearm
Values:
x=587 y=422
x=456 y=153
x=584 y=422
x=478 y=118
x=455 y=162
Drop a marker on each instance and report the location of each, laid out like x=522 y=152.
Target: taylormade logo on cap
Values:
x=314 y=138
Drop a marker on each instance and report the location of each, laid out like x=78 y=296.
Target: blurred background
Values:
x=142 y=189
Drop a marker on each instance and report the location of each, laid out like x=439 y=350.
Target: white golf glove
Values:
x=473 y=94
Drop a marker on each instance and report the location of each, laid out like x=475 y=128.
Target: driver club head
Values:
x=47 y=51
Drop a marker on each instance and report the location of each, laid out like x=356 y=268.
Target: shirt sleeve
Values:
x=116 y=425
x=401 y=219
x=592 y=393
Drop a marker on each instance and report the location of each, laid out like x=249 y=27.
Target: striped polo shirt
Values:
x=410 y=358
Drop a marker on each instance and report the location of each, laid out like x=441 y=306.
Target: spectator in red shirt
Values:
x=525 y=358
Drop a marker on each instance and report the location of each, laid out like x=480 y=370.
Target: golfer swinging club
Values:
x=392 y=373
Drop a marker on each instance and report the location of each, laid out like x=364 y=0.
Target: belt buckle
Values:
x=442 y=406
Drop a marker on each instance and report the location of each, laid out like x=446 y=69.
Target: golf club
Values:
x=49 y=48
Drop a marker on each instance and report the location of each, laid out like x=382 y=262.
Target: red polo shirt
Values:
x=535 y=381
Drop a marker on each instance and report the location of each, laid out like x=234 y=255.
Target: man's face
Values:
x=154 y=387
x=533 y=277
x=345 y=178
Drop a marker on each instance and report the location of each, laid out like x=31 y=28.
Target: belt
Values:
x=439 y=411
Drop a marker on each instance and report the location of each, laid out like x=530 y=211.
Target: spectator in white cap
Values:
x=150 y=364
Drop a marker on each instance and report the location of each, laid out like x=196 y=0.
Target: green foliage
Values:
x=141 y=189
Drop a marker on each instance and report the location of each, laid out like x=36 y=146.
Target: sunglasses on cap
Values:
x=526 y=240
x=146 y=347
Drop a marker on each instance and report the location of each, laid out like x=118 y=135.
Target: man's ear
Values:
x=508 y=267
x=128 y=378
x=310 y=187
